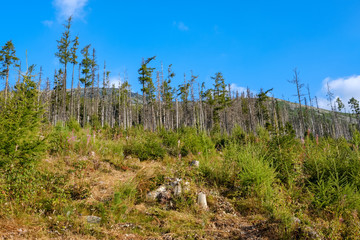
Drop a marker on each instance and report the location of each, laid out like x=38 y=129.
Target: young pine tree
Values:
x=184 y=96
x=65 y=56
x=86 y=80
x=73 y=61
x=221 y=98
x=168 y=95
x=21 y=142
x=146 y=81
x=7 y=59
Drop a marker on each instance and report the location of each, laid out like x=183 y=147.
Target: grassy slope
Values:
x=258 y=187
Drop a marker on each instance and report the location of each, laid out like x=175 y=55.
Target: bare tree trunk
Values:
x=130 y=109
x=39 y=86
x=71 y=94
x=7 y=84
x=84 y=108
x=177 y=114
x=78 y=98
x=251 y=125
x=64 y=118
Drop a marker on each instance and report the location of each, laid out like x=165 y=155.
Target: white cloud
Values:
x=235 y=88
x=67 y=8
x=47 y=23
x=116 y=81
x=323 y=103
x=344 y=88
x=181 y=26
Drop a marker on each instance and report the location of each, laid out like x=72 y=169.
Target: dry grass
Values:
x=142 y=219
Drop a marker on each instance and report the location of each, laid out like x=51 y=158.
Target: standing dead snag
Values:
x=299 y=86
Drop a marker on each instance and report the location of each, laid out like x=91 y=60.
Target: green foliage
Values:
x=64 y=53
x=354 y=105
x=7 y=58
x=260 y=104
x=168 y=92
x=219 y=98
x=73 y=50
x=238 y=135
x=73 y=124
x=284 y=152
x=170 y=141
x=276 y=175
x=145 y=147
x=145 y=79
x=20 y=139
x=256 y=175
x=86 y=64
x=184 y=93
x=58 y=139
x=356 y=139
x=29 y=189
x=333 y=169
x=125 y=194
x=192 y=141
x=340 y=104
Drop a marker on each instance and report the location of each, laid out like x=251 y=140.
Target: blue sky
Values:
x=255 y=44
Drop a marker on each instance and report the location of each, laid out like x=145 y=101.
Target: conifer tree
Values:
x=73 y=61
x=221 y=98
x=93 y=73
x=7 y=59
x=168 y=94
x=65 y=56
x=262 y=111
x=86 y=64
x=183 y=92
x=193 y=107
x=20 y=140
x=148 y=88
x=124 y=90
x=340 y=104
x=58 y=88
x=354 y=106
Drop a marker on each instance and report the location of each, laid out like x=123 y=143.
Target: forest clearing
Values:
x=85 y=157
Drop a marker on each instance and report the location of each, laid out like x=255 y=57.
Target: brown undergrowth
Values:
x=116 y=192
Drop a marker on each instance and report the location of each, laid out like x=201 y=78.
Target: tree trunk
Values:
x=71 y=93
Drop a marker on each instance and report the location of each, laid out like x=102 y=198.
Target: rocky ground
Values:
x=212 y=215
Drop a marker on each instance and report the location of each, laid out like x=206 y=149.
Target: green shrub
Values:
x=73 y=124
x=333 y=169
x=145 y=147
x=238 y=135
x=58 y=140
x=284 y=152
x=170 y=141
x=256 y=175
x=195 y=142
x=21 y=140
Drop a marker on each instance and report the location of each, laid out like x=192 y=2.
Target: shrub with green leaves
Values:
x=170 y=141
x=147 y=146
x=194 y=141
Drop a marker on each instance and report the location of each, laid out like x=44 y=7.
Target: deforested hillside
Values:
x=84 y=155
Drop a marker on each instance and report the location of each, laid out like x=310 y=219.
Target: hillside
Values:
x=136 y=184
